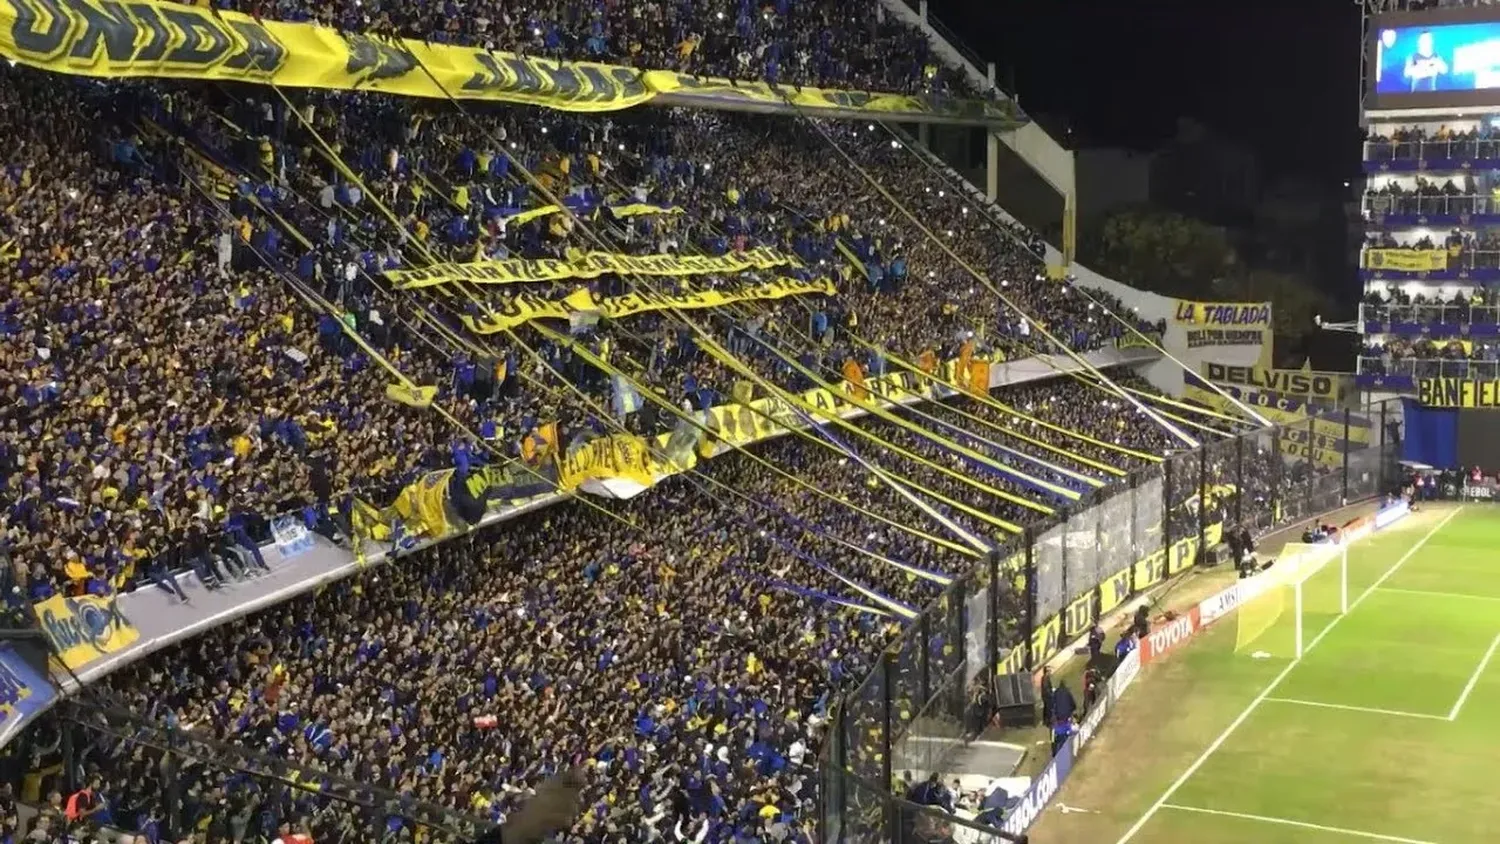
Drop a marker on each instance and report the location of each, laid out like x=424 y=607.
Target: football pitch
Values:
x=1387 y=728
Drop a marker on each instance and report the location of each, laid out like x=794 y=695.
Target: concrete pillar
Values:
x=992 y=167
x=922 y=9
x=924 y=136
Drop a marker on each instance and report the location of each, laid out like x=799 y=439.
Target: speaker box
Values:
x=1015 y=700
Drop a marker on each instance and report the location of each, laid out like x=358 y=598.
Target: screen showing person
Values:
x=1424 y=65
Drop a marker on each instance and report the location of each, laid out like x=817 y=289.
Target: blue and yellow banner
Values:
x=24 y=692
x=1407 y=260
x=1329 y=387
x=85 y=628
x=1210 y=325
x=620 y=456
x=1227 y=314
x=147 y=38
x=525 y=307
x=1459 y=392
x=590 y=265
x=585 y=207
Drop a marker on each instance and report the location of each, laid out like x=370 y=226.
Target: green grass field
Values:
x=1387 y=728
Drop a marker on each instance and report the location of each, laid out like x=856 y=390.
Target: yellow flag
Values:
x=411 y=396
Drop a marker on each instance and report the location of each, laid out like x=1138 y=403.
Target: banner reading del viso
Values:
x=1327 y=387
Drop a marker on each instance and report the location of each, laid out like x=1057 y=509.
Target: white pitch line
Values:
x=1474 y=679
x=1355 y=833
x=1345 y=707
x=1235 y=724
x=1425 y=592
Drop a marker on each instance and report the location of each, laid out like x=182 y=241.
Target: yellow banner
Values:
x=590 y=265
x=411 y=395
x=525 y=307
x=619 y=456
x=689 y=90
x=84 y=628
x=1458 y=392
x=1281 y=410
x=1407 y=260
x=423 y=505
x=1331 y=387
x=145 y=38
x=633 y=209
x=1224 y=314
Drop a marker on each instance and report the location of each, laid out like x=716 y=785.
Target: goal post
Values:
x=1292 y=601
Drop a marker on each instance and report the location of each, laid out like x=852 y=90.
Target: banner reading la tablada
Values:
x=146 y=38
x=1212 y=324
x=523 y=308
x=590 y=265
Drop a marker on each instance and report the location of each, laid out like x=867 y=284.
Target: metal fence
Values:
x=928 y=694
x=1418 y=368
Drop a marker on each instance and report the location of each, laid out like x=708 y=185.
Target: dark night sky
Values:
x=1279 y=75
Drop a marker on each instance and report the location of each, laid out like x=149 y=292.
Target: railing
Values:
x=1485 y=370
x=1464 y=149
x=1431 y=314
x=1431 y=204
x=928 y=694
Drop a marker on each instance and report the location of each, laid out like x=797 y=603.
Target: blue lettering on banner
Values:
x=1021 y=816
x=292 y=537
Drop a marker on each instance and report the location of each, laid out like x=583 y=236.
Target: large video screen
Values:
x=1445 y=64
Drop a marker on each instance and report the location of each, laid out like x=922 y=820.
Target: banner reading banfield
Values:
x=146 y=38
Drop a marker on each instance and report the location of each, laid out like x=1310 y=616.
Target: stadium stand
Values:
x=825 y=43
x=202 y=322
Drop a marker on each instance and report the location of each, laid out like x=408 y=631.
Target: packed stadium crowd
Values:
x=823 y=43
x=1461 y=305
x=1416 y=143
x=196 y=335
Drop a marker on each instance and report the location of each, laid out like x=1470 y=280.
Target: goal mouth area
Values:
x=1307 y=584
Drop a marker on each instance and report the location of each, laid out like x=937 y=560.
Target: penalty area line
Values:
x=1218 y=742
x=1347 y=708
x=1354 y=833
x=1474 y=679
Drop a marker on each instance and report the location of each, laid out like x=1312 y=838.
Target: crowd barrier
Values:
x=1050 y=586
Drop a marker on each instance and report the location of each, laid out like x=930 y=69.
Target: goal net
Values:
x=1300 y=594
